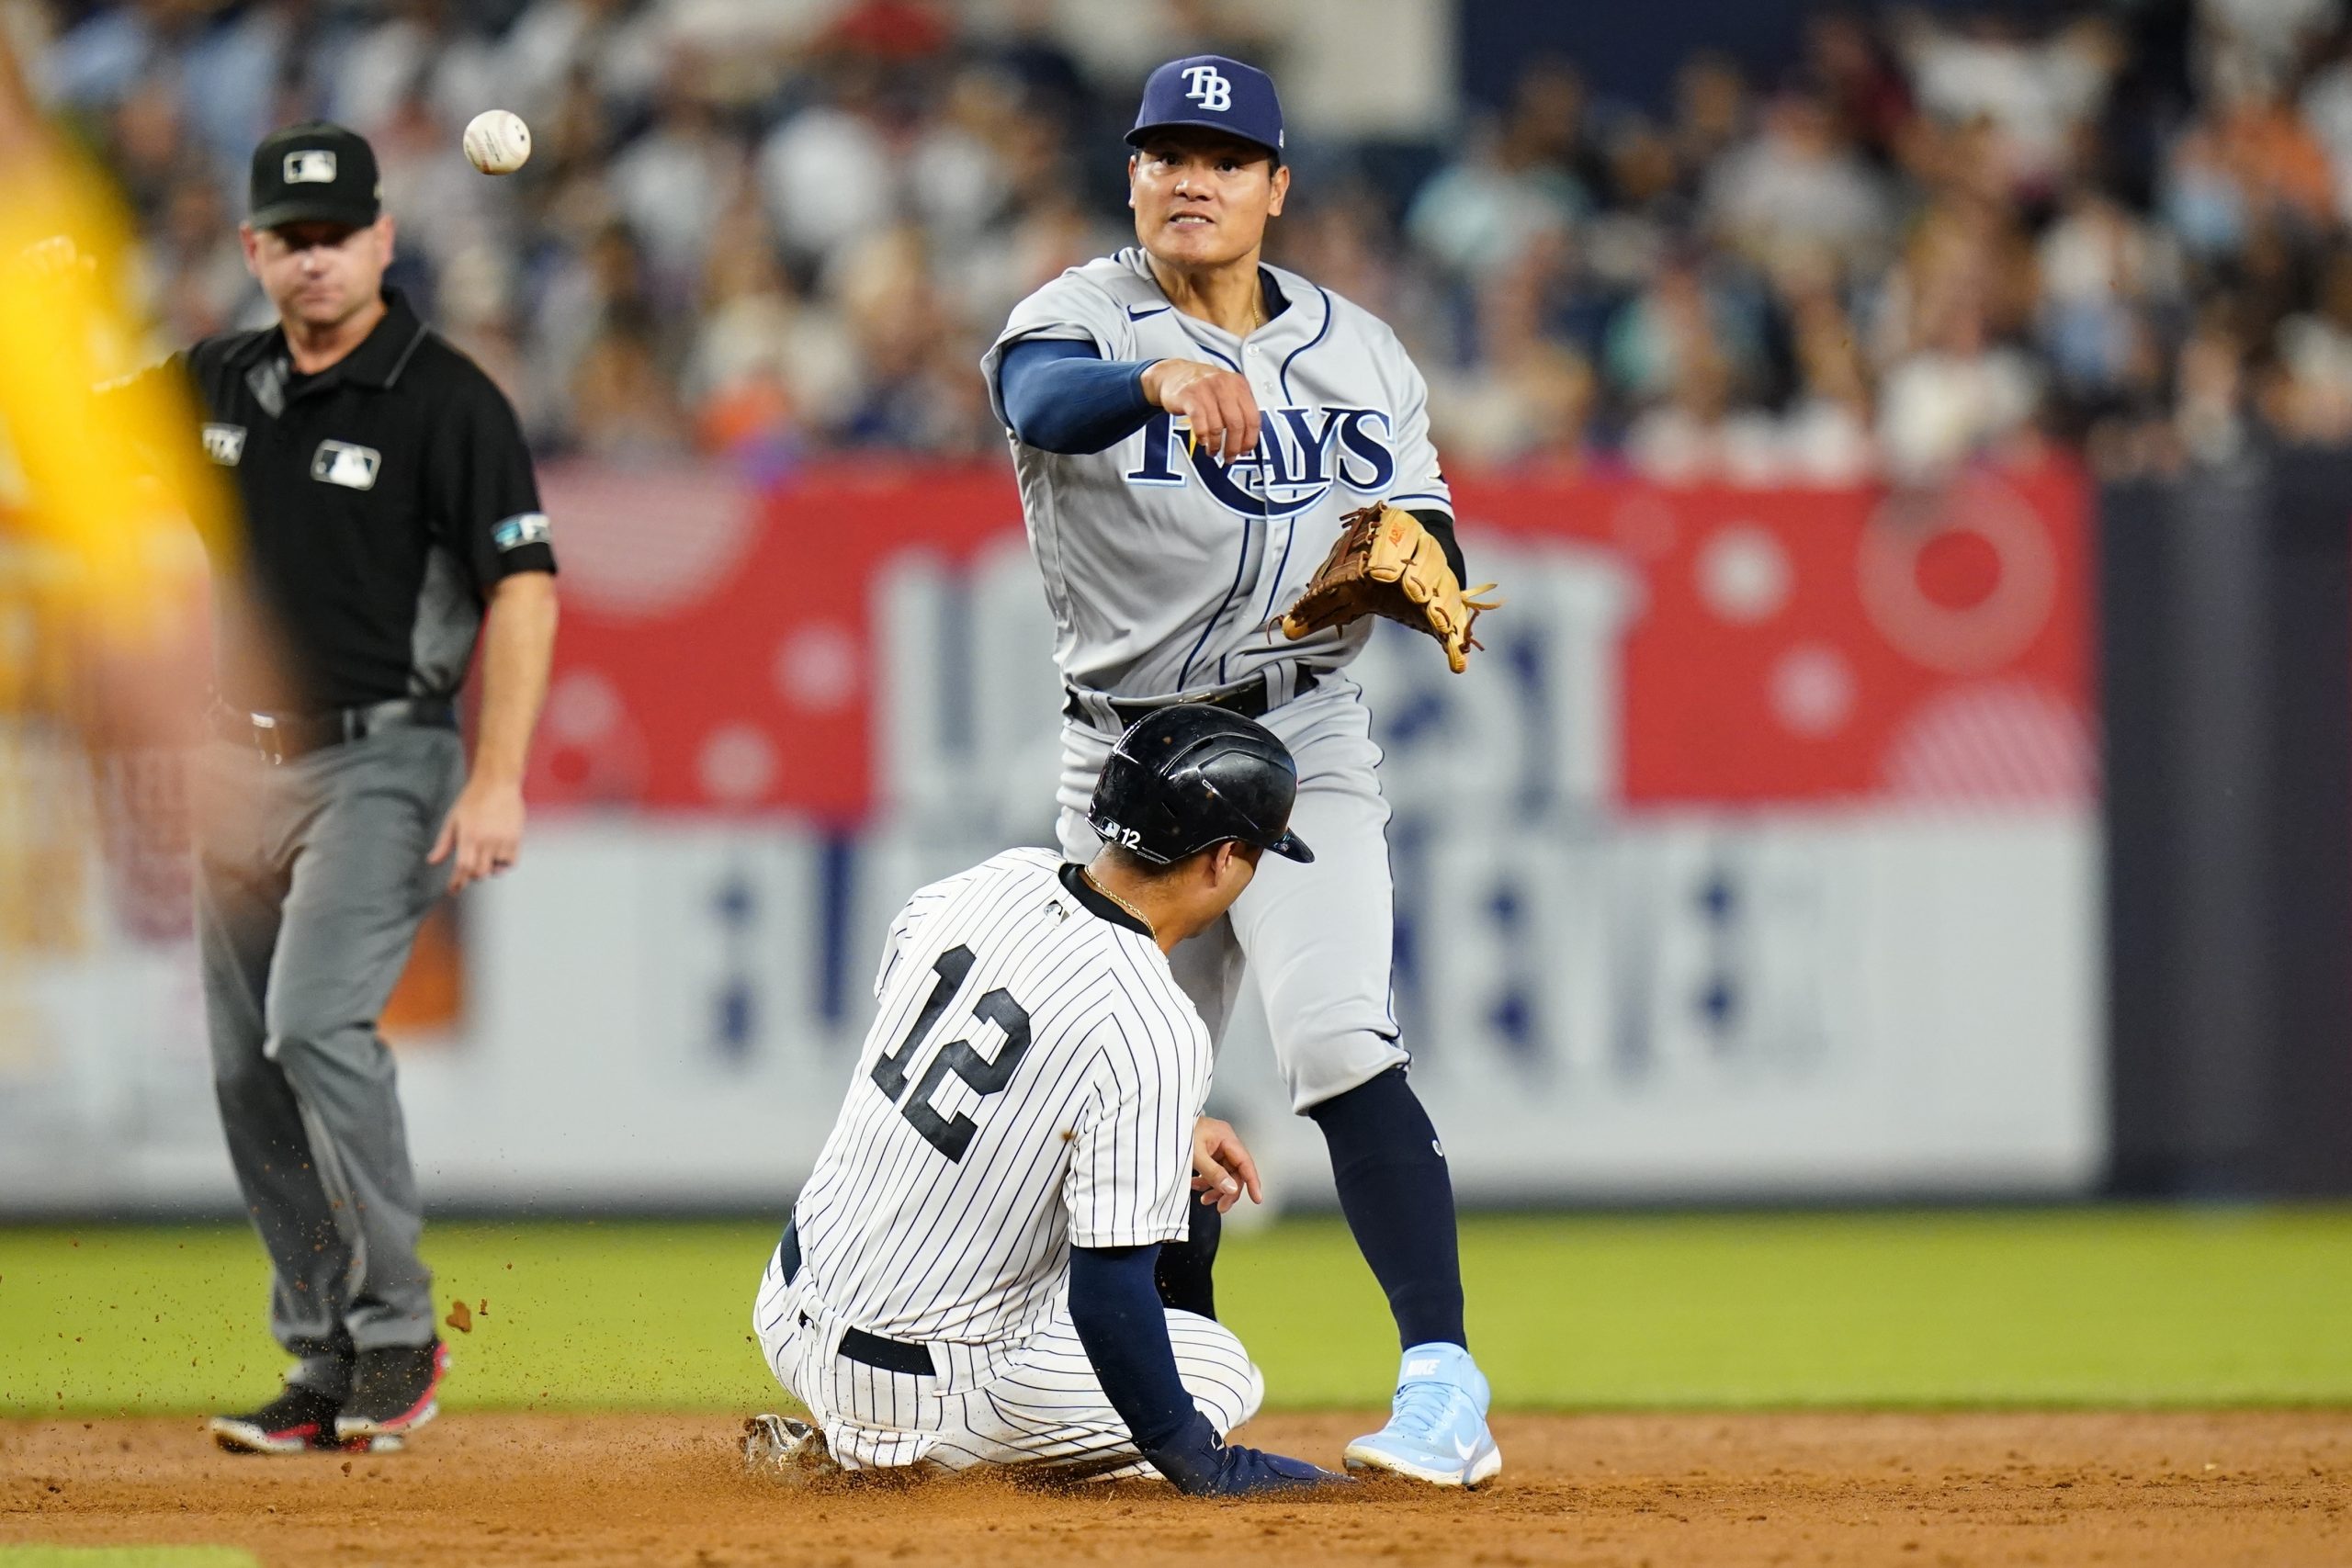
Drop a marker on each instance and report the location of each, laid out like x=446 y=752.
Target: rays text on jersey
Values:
x=1301 y=454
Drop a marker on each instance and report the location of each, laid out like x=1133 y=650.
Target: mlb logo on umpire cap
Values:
x=1215 y=94
x=315 y=172
x=310 y=166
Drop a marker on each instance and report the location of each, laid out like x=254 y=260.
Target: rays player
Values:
x=1189 y=425
x=967 y=1276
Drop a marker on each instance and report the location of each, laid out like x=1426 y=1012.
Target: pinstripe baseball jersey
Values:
x=1031 y=1082
x=1165 y=569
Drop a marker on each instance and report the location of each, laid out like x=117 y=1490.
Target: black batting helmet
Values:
x=1188 y=776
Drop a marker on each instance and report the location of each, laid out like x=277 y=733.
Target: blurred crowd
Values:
x=770 y=230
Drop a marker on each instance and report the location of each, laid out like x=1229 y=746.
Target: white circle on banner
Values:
x=1959 y=640
x=583 y=706
x=738 y=764
x=1813 y=690
x=1744 y=575
x=816 y=668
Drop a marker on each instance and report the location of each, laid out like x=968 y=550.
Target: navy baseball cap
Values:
x=1216 y=93
x=314 y=172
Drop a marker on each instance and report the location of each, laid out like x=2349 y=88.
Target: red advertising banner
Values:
x=719 y=646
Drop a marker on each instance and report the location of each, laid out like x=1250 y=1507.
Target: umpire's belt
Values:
x=1253 y=698
x=888 y=1355
x=282 y=736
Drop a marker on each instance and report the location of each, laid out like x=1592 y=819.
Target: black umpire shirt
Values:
x=383 y=499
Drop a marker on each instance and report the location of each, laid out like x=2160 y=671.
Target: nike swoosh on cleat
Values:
x=1463 y=1449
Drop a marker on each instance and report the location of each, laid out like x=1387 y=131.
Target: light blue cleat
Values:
x=1437 y=1424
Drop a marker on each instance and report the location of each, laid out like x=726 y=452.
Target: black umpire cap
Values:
x=1188 y=777
x=317 y=172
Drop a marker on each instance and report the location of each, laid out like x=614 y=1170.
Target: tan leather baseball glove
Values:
x=1385 y=563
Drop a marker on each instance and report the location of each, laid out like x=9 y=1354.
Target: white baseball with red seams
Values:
x=497 y=142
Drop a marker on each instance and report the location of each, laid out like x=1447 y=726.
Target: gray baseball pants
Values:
x=311 y=884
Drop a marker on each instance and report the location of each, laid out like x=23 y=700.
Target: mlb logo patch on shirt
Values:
x=342 y=463
x=224 y=443
x=523 y=528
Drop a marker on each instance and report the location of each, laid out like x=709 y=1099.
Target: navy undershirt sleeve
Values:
x=1114 y=1306
x=1062 y=396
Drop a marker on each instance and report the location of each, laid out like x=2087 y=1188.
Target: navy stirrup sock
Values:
x=1398 y=1197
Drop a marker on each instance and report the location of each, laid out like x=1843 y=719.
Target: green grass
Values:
x=2237 y=1306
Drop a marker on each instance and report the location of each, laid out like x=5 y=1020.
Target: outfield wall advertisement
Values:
x=1755 y=857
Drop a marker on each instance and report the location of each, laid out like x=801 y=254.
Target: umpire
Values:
x=390 y=507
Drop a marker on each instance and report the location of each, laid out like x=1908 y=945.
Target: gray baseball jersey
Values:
x=1030 y=1083
x=1166 y=570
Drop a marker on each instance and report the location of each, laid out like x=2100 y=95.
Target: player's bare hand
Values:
x=485 y=833
x=1222 y=1169
x=1216 y=402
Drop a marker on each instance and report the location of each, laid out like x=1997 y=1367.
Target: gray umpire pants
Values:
x=311 y=884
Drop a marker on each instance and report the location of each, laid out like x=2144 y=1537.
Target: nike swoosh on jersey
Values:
x=1136 y=314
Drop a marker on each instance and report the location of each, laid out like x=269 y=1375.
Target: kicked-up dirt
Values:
x=2270 y=1488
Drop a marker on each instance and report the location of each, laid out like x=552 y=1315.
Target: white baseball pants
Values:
x=1035 y=1401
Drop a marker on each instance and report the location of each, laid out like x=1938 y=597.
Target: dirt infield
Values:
x=2269 y=1488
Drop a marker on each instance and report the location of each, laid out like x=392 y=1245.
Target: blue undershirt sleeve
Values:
x=1114 y=1306
x=1060 y=396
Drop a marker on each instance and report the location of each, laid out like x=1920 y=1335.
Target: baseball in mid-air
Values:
x=497 y=142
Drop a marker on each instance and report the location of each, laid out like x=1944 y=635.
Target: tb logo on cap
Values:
x=310 y=166
x=1209 y=87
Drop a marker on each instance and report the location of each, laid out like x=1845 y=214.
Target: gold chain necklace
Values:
x=1122 y=903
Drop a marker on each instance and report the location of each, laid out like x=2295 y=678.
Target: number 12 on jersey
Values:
x=951 y=1136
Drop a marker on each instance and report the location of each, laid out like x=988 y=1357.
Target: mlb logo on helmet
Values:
x=1214 y=94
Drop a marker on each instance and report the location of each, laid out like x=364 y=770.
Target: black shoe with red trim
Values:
x=392 y=1392
x=299 y=1420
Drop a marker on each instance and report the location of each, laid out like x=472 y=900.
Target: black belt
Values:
x=1249 y=699
x=887 y=1355
x=282 y=736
